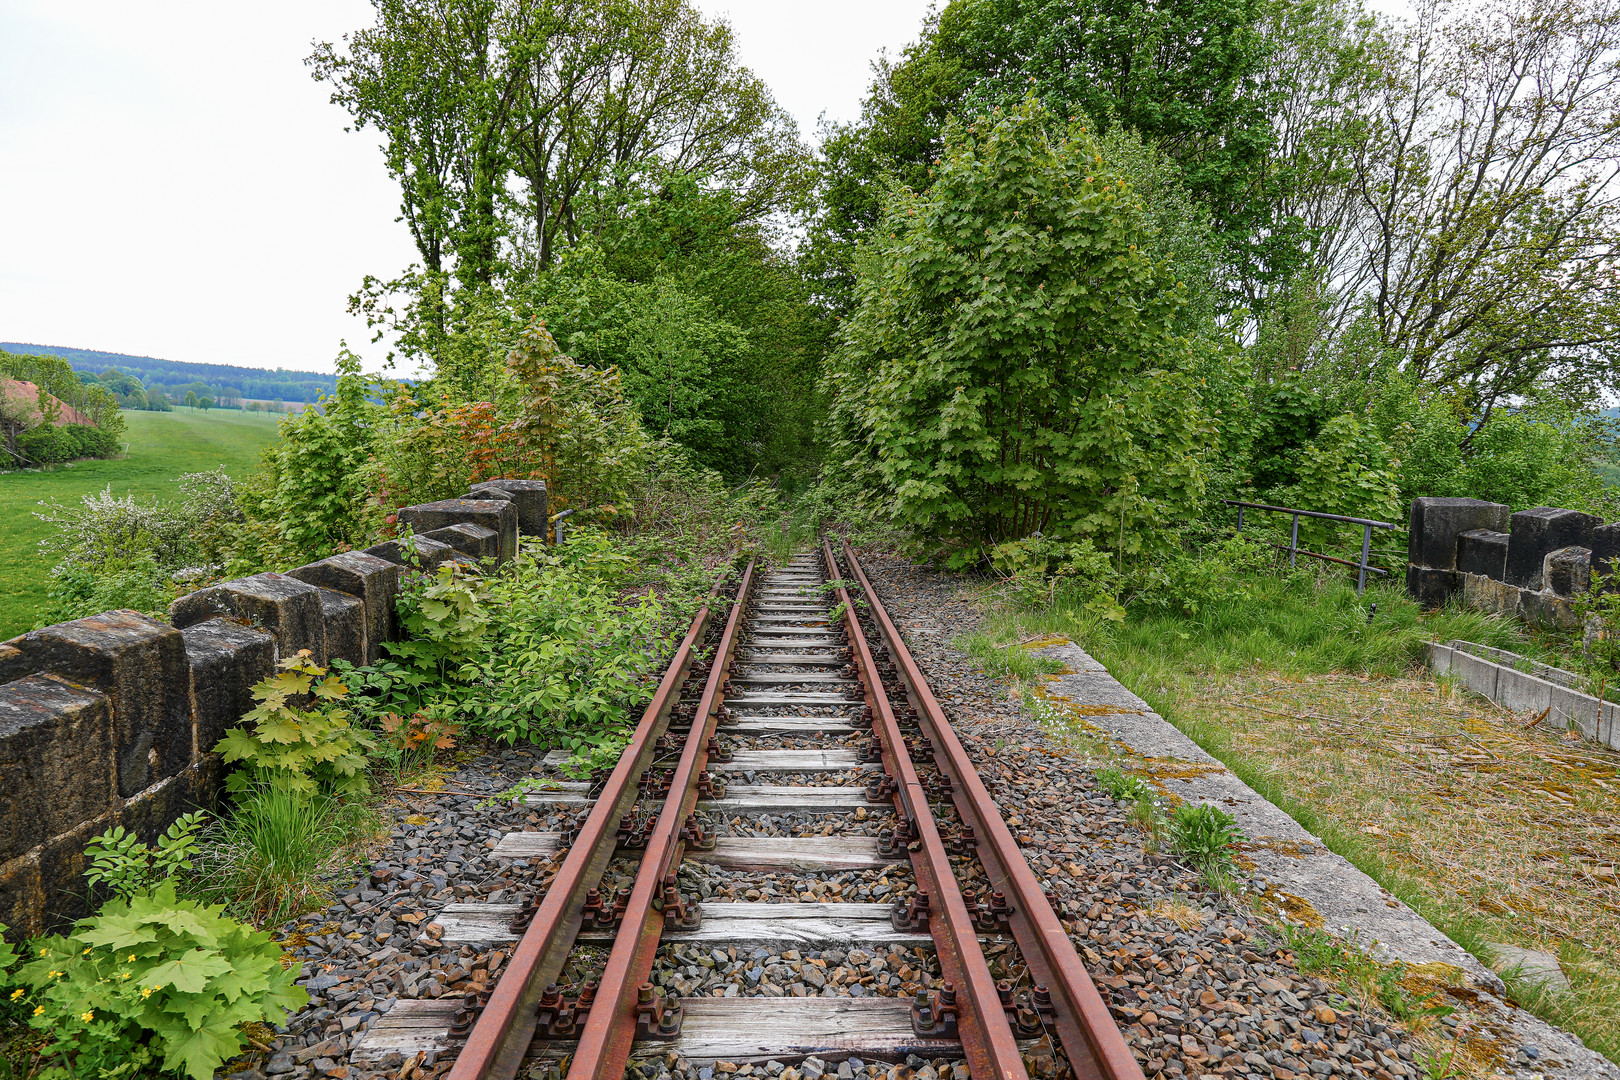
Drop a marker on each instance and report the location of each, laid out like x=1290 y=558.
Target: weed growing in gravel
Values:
x=1012 y=662
x=1122 y=785
x=265 y=858
x=1203 y=835
x=1360 y=975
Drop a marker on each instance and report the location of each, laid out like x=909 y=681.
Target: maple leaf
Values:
x=189 y=972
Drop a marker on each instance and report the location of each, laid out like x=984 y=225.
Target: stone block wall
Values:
x=112 y=720
x=1529 y=565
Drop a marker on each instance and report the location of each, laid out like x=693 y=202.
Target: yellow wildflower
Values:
x=146 y=992
x=39 y=1009
x=131 y=959
x=17 y=993
x=126 y=974
x=85 y=953
x=87 y=1016
x=56 y=974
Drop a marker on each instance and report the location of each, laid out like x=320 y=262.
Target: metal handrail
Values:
x=1294 y=550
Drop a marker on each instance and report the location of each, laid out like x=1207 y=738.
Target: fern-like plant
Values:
x=120 y=861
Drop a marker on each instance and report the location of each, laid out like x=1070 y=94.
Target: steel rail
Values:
x=500 y=1038
x=987 y=1038
x=1095 y=1047
x=610 y=1027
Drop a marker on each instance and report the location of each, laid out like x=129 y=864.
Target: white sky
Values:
x=174 y=184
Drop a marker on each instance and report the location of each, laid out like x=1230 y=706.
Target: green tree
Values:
x=1013 y=364
x=1456 y=172
x=314 y=484
x=1187 y=75
x=191 y=400
x=507 y=121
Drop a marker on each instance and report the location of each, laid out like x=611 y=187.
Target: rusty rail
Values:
x=625 y=1002
x=968 y=1004
x=498 y=1041
x=1091 y=1039
x=987 y=1038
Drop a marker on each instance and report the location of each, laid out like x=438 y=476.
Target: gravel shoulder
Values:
x=1220 y=996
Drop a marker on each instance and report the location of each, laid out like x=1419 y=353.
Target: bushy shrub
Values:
x=1017 y=362
x=49 y=444
x=1232 y=569
x=314 y=485
x=153 y=983
x=123 y=553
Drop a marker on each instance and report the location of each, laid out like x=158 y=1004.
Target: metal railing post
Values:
x=1293 y=545
x=1366 y=546
x=1240 y=519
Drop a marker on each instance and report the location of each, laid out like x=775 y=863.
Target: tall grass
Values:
x=264 y=859
x=1299 y=624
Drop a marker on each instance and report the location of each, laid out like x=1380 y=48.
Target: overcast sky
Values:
x=174 y=184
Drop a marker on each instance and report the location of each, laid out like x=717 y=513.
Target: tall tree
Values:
x=1185 y=74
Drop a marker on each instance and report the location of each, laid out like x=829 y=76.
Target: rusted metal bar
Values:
x=1092 y=1041
x=610 y=1029
x=987 y=1038
x=501 y=1036
x=1308 y=513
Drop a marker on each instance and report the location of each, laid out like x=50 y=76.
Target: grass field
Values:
x=162 y=446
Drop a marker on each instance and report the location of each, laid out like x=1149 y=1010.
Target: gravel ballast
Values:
x=1198 y=983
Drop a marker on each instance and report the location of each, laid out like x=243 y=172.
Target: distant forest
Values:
x=173 y=377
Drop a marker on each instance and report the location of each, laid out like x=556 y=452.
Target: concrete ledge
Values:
x=1293 y=860
x=1565 y=704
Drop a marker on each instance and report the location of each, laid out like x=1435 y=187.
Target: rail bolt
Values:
x=461 y=1024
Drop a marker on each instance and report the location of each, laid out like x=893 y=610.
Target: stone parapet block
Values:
x=498 y=515
x=529 y=496
x=373 y=579
x=1486 y=594
x=345 y=619
x=1429 y=587
x=226 y=660
x=284 y=607
x=140 y=665
x=412 y=551
x=1536 y=532
x=1545 y=609
x=1482 y=551
x=474 y=541
x=152 y=811
x=1435 y=524
x=1567 y=572
x=56 y=760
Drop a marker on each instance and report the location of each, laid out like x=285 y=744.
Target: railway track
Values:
x=791 y=759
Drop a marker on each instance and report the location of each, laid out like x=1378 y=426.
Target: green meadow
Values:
x=162 y=446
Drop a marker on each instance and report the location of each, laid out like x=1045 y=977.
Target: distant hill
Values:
x=259 y=383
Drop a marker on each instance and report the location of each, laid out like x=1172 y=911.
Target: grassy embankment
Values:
x=161 y=447
x=1494 y=827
